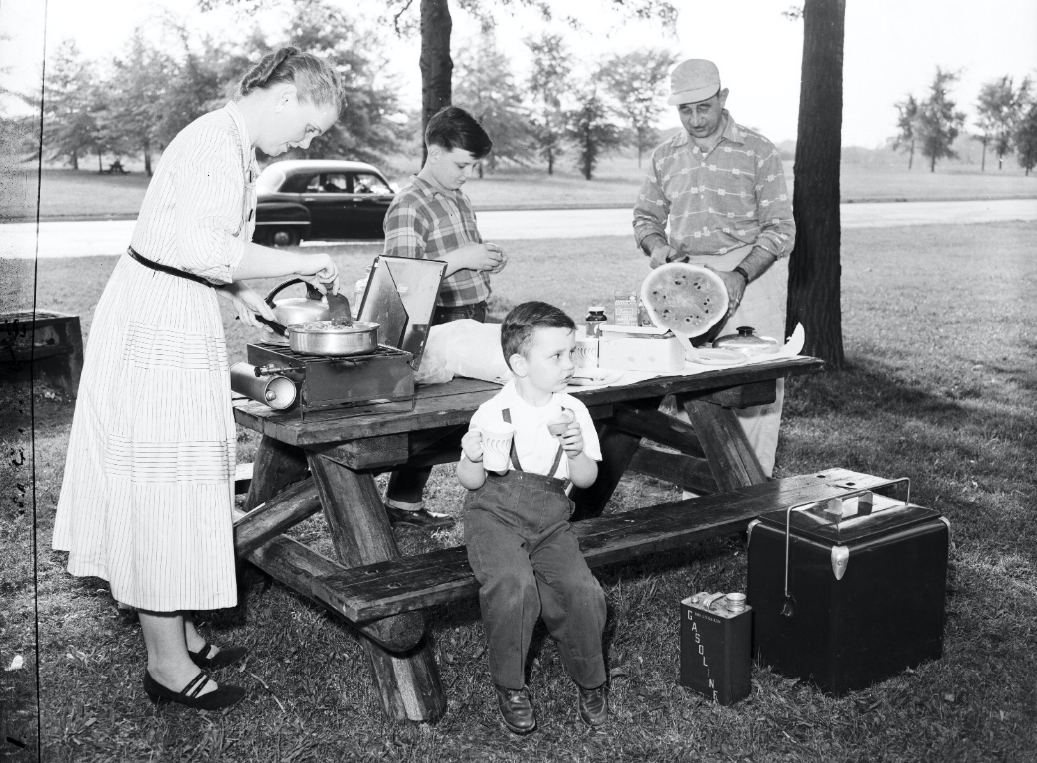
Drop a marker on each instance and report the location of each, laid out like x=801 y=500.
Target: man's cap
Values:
x=693 y=80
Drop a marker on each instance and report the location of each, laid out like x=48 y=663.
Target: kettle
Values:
x=747 y=342
x=295 y=310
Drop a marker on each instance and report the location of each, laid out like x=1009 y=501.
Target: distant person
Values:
x=521 y=546
x=721 y=188
x=148 y=493
x=432 y=218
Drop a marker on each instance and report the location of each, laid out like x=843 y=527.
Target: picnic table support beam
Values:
x=409 y=684
x=731 y=458
x=275 y=466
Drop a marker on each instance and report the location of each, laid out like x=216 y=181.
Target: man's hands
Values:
x=664 y=253
x=735 y=284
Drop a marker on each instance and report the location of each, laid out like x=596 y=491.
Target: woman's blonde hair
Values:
x=317 y=82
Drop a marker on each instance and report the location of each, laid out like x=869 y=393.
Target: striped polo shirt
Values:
x=424 y=222
x=731 y=197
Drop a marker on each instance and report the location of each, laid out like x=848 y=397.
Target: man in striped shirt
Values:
x=721 y=188
x=432 y=218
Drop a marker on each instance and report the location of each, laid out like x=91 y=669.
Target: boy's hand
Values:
x=471 y=446
x=474 y=256
x=572 y=440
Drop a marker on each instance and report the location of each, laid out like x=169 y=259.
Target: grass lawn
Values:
x=941 y=387
x=84 y=193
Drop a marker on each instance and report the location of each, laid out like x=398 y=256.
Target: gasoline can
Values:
x=715 y=647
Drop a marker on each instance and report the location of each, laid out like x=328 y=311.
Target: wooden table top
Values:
x=453 y=403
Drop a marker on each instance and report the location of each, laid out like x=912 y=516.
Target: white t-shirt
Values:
x=535 y=445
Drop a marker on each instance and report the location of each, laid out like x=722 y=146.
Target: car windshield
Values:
x=271 y=178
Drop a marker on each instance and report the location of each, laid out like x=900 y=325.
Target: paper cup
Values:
x=496 y=447
x=586 y=355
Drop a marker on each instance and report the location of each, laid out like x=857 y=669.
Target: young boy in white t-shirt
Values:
x=521 y=546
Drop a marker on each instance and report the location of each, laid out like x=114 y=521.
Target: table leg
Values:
x=276 y=465
x=409 y=683
x=732 y=460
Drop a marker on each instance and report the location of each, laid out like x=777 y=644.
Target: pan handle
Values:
x=311 y=291
x=279 y=328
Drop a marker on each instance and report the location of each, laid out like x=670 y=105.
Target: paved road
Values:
x=84 y=239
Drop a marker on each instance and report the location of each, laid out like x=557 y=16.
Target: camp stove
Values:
x=400 y=297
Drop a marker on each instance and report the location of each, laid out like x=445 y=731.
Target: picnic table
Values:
x=328 y=462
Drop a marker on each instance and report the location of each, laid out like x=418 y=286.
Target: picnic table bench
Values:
x=328 y=462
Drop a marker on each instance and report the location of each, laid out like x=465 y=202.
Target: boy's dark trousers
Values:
x=528 y=563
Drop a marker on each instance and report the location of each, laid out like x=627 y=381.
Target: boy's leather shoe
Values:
x=594 y=705
x=516 y=709
x=421 y=518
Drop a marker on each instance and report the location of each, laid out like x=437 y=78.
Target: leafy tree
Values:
x=69 y=119
x=907 y=115
x=487 y=89
x=591 y=131
x=1026 y=138
x=137 y=93
x=938 y=123
x=548 y=85
x=638 y=83
x=814 y=267
x=1000 y=106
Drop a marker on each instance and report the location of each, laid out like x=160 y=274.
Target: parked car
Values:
x=319 y=200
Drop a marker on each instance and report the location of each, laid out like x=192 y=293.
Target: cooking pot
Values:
x=310 y=332
x=747 y=341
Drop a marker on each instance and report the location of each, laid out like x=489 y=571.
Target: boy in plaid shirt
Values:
x=432 y=218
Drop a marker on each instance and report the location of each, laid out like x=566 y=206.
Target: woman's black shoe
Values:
x=222 y=659
x=225 y=696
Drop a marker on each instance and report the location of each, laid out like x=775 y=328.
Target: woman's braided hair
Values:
x=317 y=82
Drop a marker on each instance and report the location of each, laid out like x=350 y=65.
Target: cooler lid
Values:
x=839 y=522
x=401 y=297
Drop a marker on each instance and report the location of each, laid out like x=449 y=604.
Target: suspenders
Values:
x=514 y=452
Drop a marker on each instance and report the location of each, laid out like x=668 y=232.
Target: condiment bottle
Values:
x=595 y=317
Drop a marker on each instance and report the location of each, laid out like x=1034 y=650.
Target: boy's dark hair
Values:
x=516 y=333
x=453 y=127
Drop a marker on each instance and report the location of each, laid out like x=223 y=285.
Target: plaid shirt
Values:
x=734 y=196
x=426 y=223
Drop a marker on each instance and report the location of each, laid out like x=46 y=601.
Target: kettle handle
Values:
x=311 y=291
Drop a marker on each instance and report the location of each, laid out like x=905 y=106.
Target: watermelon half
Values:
x=686 y=299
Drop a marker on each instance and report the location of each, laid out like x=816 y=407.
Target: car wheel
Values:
x=280 y=237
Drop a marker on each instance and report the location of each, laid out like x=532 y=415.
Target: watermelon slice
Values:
x=687 y=299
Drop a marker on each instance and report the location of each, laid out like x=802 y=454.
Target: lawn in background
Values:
x=941 y=387
x=85 y=193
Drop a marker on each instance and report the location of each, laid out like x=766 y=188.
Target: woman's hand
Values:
x=320 y=271
x=247 y=304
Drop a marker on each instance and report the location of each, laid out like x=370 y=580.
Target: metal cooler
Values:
x=849 y=591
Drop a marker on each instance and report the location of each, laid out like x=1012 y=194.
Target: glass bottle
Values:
x=595 y=317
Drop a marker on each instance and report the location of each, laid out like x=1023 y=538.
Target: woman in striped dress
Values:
x=147 y=497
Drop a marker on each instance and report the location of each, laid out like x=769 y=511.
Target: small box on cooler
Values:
x=640 y=348
x=716 y=636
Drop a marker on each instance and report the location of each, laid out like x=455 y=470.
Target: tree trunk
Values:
x=1000 y=160
x=75 y=160
x=911 y=158
x=815 y=269
x=437 y=67
x=932 y=163
x=550 y=162
x=983 y=161
x=100 y=166
x=147 y=157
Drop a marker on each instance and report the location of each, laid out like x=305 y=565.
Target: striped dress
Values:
x=147 y=497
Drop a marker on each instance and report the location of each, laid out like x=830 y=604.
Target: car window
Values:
x=271 y=178
x=313 y=186
x=367 y=182
x=334 y=182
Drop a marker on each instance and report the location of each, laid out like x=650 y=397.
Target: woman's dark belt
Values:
x=168 y=270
